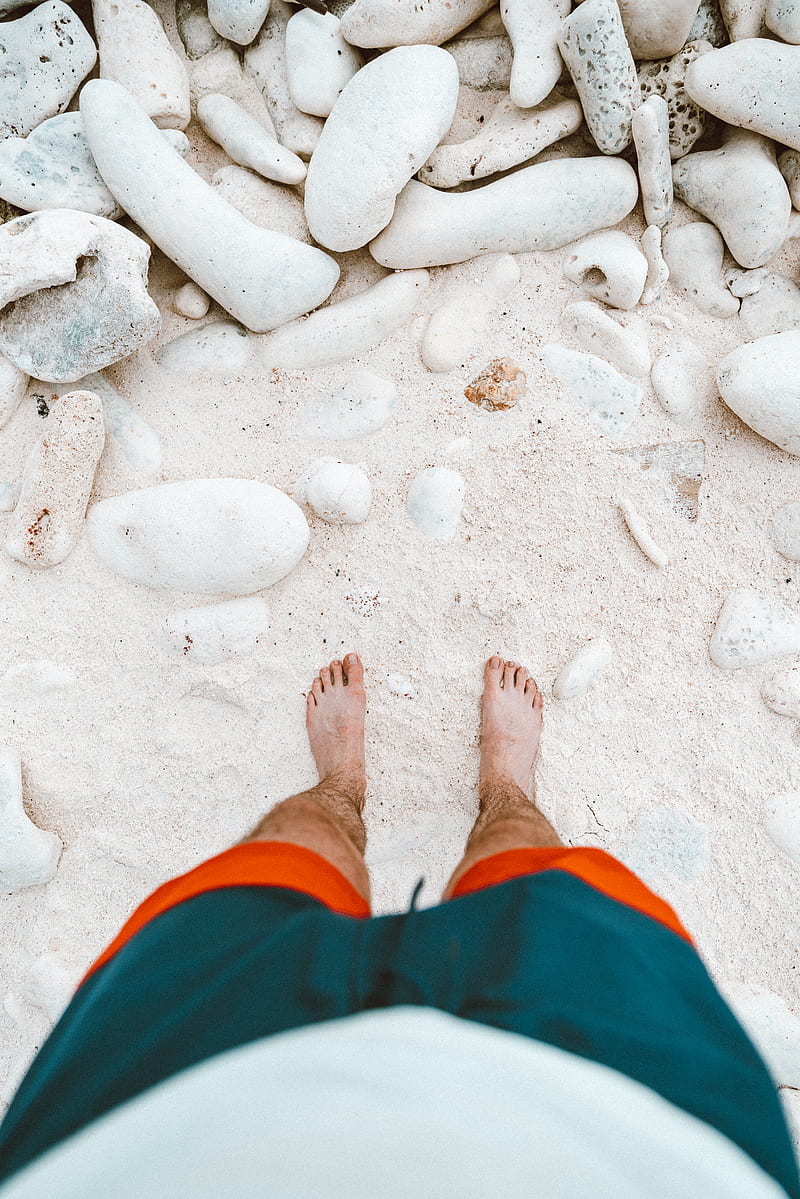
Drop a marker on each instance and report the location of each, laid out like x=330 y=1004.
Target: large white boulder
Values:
x=760 y=382
x=380 y=23
x=136 y=53
x=754 y=83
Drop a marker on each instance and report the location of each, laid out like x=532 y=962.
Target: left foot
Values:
x=335 y=722
x=510 y=726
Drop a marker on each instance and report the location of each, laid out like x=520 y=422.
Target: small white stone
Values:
x=693 y=253
x=641 y=534
x=137 y=441
x=13 y=385
x=759 y=382
x=609 y=266
x=219 y=348
x=753 y=628
x=434 y=503
x=679 y=377
x=375 y=24
x=28 y=855
x=595 y=388
x=191 y=301
x=657 y=28
x=456 y=326
x=357 y=408
x=786 y=531
x=754 y=83
x=774 y=307
x=266 y=204
x=657 y=269
x=782 y=692
x=238 y=20
x=49 y=985
x=319 y=62
x=580 y=672
x=650 y=127
x=594 y=47
x=136 y=53
x=215 y=632
x=265 y=62
x=246 y=141
x=743 y=283
x=534 y=26
x=783 y=18
x=338 y=492
x=399 y=684
x=599 y=331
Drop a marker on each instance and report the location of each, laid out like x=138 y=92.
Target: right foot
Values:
x=511 y=724
x=335 y=722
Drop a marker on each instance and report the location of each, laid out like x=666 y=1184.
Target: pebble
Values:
x=693 y=254
x=782 y=692
x=753 y=628
x=456 y=326
x=657 y=30
x=600 y=332
x=657 y=269
x=483 y=63
x=357 y=408
x=595 y=387
x=679 y=376
x=136 y=53
x=594 y=47
x=248 y=142
x=773 y=308
x=198 y=35
x=500 y=386
x=57 y=482
x=49 y=985
x=262 y=279
x=786 y=531
x=319 y=62
x=742 y=283
x=743 y=18
x=265 y=62
x=266 y=204
x=610 y=267
x=435 y=500
x=753 y=83
x=375 y=24
x=789 y=167
x=374 y=141
x=708 y=25
x=348 y=328
x=215 y=632
x=651 y=136
x=337 y=492
x=640 y=533
x=238 y=21
x=686 y=120
x=400 y=684
x=210 y=536
x=13 y=385
x=783 y=18
x=534 y=26
x=577 y=675
x=740 y=189
x=541 y=207
x=781 y=823
x=511 y=135
x=758 y=382
x=28 y=855
x=51 y=51
x=191 y=301
x=219 y=348
x=73 y=292
x=137 y=441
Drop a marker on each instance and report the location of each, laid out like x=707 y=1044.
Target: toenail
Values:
x=350 y=659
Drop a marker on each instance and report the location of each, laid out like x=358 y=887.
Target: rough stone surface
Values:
x=773 y=308
x=753 y=83
x=743 y=18
x=595 y=387
x=337 y=492
x=594 y=47
x=782 y=692
x=434 y=502
x=319 y=62
x=651 y=137
x=708 y=25
x=534 y=26
x=657 y=28
x=377 y=24
x=783 y=18
x=28 y=855
x=265 y=62
x=609 y=266
x=219 y=348
x=760 y=382
x=248 y=142
x=136 y=53
x=693 y=253
x=483 y=63
x=686 y=120
x=754 y=628
x=500 y=386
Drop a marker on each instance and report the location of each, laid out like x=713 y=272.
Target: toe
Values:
x=316 y=689
x=538 y=702
x=508 y=675
x=311 y=699
x=530 y=687
x=493 y=672
x=521 y=677
x=336 y=673
x=325 y=678
x=354 y=670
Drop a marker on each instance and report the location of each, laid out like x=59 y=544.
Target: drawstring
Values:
x=412 y=907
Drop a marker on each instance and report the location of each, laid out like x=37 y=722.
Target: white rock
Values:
x=774 y=1029
x=28 y=855
x=743 y=283
x=222 y=72
x=266 y=204
x=594 y=47
x=215 y=631
x=595 y=388
x=600 y=332
x=786 y=531
x=657 y=269
x=753 y=628
x=374 y=141
x=709 y=25
x=483 y=63
x=73 y=293
x=13 y=385
x=640 y=533
x=456 y=326
x=760 y=382
x=609 y=266
x=679 y=377
x=265 y=62
x=49 y=985
x=657 y=28
x=191 y=301
x=650 y=127
x=511 y=135
x=783 y=18
x=693 y=254
x=219 y=348
x=337 y=491
x=348 y=328
x=136 y=53
x=246 y=141
x=541 y=207
x=743 y=18
x=580 y=672
x=357 y=408
x=753 y=83
x=434 y=503
x=740 y=189
x=210 y=536
x=773 y=308
x=319 y=62
x=400 y=684
x=198 y=35
x=380 y=23
x=261 y=278
x=789 y=167
x=782 y=692
x=45 y=55
x=686 y=120
x=57 y=482
x=534 y=26
x=238 y=20
x=137 y=441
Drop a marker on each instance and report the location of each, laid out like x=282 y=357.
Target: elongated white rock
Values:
x=45 y=55
x=640 y=533
x=782 y=825
x=610 y=267
x=211 y=536
x=138 y=442
x=219 y=348
x=215 y=631
x=265 y=62
x=246 y=141
x=786 y=531
x=136 y=53
x=783 y=18
x=380 y=23
x=456 y=326
x=357 y=408
x=263 y=279
x=679 y=378
x=434 y=502
x=595 y=388
x=28 y=855
x=13 y=385
x=657 y=28
x=319 y=62
x=346 y=329
x=577 y=675
x=650 y=127
x=657 y=269
x=594 y=47
x=782 y=692
x=238 y=20
x=743 y=18
x=602 y=334
x=760 y=382
x=693 y=253
x=753 y=628
x=753 y=83
x=541 y=207
x=511 y=135
x=338 y=492
x=687 y=120
x=534 y=26
x=374 y=141
x=191 y=301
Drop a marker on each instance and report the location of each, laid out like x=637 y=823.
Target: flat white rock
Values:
x=136 y=53
x=609 y=266
x=786 y=531
x=319 y=62
x=434 y=503
x=137 y=441
x=219 y=348
x=338 y=492
x=238 y=20
x=783 y=18
x=679 y=376
x=600 y=332
x=541 y=207
x=686 y=120
x=357 y=408
x=657 y=28
x=191 y=301
x=266 y=204
x=455 y=327
x=211 y=536
x=265 y=62
x=73 y=293
x=215 y=632
x=28 y=855
x=781 y=823
x=594 y=47
x=753 y=83
x=534 y=26
x=773 y=308
x=693 y=254
x=57 y=482
x=595 y=387
x=577 y=675
x=247 y=141
x=650 y=127
x=380 y=23
x=782 y=692
x=374 y=141
x=760 y=382
x=261 y=278
x=754 y=628
x=45 y=55
x=13 y=385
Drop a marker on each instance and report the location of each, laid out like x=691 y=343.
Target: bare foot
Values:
x=511 y=724
x=335 y=723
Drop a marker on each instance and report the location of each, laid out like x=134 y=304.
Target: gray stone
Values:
x=484 y=63
x=708 y=25
x=594 y=47
x=687 y=121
